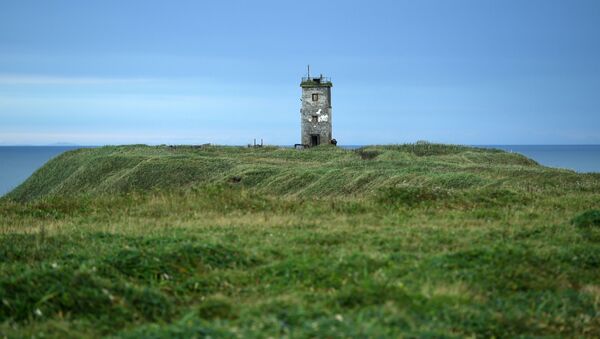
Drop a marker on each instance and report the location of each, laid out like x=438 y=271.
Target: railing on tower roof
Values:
x=316 y=81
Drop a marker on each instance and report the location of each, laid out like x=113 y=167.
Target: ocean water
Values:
x=579 y=158
x=17 y=163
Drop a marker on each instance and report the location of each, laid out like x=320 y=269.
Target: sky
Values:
x=225 y=72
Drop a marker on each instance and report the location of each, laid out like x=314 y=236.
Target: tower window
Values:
x=315 y=97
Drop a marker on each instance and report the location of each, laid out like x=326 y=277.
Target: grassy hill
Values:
x=403 y=240
x=321 y=172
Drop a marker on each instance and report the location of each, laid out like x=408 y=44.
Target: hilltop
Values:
x=384 y=241
x=318 y=172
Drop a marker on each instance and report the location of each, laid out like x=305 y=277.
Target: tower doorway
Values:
x=315 y=140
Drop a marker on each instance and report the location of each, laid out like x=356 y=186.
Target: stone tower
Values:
x=316 y=110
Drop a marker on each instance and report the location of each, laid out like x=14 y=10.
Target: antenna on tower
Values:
x=308 y=73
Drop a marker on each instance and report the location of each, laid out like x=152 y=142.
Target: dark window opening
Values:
x=315 y=97
x=315 y=140
x=315 y=118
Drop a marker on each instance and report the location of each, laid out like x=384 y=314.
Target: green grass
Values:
x=419 y=240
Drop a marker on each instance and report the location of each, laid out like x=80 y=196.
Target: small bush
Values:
x=588 y=224
x=587 y=219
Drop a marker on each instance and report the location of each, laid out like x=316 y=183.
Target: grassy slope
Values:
x=412 y=239
x=323 y=172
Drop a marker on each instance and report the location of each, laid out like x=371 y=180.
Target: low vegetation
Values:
x=385 y=241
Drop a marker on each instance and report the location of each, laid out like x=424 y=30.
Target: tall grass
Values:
x=410 y=240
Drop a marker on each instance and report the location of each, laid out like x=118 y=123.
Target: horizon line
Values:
x=275 y=145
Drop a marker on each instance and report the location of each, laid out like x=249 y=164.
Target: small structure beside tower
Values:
x=316 y=110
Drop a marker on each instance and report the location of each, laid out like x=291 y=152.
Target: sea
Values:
x=17 y=163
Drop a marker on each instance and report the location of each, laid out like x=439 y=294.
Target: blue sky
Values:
x=468 y=72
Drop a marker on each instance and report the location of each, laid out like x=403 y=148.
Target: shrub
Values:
x=588 y=224
x=587 y=219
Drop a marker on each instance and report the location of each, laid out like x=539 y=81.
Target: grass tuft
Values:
x=587 y=219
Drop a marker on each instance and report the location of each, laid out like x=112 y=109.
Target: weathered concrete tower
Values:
x=316 y=110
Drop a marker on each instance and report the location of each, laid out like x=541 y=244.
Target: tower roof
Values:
x=316 y=82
